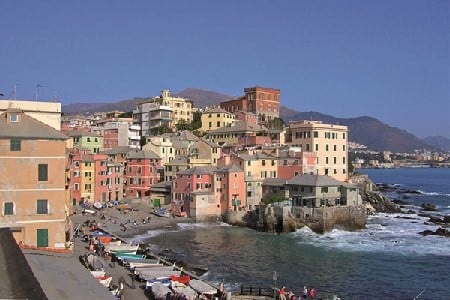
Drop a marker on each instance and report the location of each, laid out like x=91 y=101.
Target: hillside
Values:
x=439 y=142
x=368 y=131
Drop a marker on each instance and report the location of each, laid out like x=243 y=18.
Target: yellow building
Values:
x=87 y=178
x=215 y=117
x=328 y=141
x=34 y=199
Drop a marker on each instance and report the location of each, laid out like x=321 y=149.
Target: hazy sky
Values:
x=387 y=59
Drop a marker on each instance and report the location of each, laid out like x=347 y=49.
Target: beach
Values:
x=62 y=275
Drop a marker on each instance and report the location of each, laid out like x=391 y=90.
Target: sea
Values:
x=388 y=259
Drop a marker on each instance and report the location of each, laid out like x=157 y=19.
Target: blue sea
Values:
x=386 y=260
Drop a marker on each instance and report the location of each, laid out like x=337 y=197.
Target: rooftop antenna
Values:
x=37 y=90
x=14 y=91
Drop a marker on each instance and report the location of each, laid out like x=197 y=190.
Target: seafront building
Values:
x=328 y=141
x=33 y=194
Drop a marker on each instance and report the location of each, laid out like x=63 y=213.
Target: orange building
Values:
x=33 y=193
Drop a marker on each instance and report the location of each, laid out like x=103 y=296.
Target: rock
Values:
x=428 y=207
x=440 y=231
x=435 y=219
x=446 y=219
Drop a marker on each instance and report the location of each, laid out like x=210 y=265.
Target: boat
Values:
x=161 y=212
x=97 y=205
x=128 y=256
x=95 y=263
x=122 y=248
x=183 y=289
x=161 y=280
x=184 y=279
x=202 y=287
x=137 y=265
x=144 y=276
x=144 y=270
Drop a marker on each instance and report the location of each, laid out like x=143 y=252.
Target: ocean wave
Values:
x=384 y=233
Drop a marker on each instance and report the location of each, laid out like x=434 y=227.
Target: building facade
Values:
x=328 y=141
x=33 y=193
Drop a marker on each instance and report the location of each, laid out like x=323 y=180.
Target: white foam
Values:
x=383 y=233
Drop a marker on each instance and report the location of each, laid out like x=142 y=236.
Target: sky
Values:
x=388 y=59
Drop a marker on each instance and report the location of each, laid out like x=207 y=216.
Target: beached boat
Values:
x=202 y=287
x=122 y=248
x=161 y=280
x=161 y=212
x=128 y=256
x=184 y=279
x=183 y=289
x=146 y=270
x=137 y=265
x=144 y=276
x=95 y=262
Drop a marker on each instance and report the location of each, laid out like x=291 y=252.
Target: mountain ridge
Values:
x=365 y=130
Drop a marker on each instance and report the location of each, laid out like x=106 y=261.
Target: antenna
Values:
x=37 y=89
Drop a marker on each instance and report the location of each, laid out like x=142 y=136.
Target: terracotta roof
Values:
x=118 y=150
x=27 y=128
x=74 y=133
x=274 y=181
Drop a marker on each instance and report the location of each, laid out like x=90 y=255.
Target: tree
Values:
x=196 y=120
x=276 y=123
x=142 y=141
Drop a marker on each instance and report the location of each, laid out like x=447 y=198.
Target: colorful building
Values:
x=87 y=140
x=33 y=195
x=143 y=169
x=215 y=117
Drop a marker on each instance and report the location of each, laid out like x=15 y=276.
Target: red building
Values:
x=264 y=102
x=143 y=168
x=296 y=163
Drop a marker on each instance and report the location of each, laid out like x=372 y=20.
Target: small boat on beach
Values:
x=122 y=248
x=144 y=276
x=132 y=265
x=161 y=212
x=184 y=279
x=161 y=280
x=160 y=291
x=128 y=256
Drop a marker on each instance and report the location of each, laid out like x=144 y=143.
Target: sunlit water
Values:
x=387 y=260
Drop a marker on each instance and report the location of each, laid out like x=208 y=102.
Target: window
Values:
x=316 y=134
x=43 y=172
x=317 y=147
x=326 y=147
x=8 y=209
x=218 y=123
x=15 y=145
x=42 y=207
x=13 y=118
x=76 y=187
x=263 y=162
x=324 y=189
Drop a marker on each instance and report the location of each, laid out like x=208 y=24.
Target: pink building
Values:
x=143 y=169
x=100 y=178
x=230 y=186
x=193 y=193
x=247 y=117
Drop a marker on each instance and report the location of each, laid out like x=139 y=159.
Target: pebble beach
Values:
x=62 y=275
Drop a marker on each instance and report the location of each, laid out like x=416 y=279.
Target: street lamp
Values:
x=275 y=277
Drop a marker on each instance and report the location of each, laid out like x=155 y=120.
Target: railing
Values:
x=257 y=291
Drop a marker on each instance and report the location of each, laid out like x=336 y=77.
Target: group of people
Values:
x=304 y=294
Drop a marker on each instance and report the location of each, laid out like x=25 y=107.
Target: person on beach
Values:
x=282 y=293
x=312 y=293
x=305 y=292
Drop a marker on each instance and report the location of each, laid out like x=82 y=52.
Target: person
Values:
x=282 y=292
x=312 y=293
x=305 y=292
